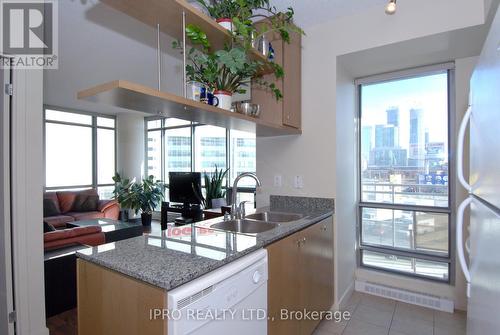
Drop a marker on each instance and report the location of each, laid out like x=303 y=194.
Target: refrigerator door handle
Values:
x=460 y=240
x=460 y=150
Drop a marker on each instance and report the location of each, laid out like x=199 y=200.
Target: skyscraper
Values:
x=417 y=138
x=386 y=136
x=366 y=141
x=393 y=116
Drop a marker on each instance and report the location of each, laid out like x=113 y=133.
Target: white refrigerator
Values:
x=480 y=255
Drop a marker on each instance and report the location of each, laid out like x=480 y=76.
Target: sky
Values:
x=430 y=93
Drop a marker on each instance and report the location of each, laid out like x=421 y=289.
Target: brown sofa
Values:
x=64 y=203
x=92 y=236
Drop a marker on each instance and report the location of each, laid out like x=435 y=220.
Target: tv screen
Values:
x=182 y=186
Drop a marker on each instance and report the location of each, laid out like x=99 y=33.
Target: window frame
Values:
x=95 y=182
x=193 y=126
x=422 y=71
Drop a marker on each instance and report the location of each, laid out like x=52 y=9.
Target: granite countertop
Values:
x=180 y=254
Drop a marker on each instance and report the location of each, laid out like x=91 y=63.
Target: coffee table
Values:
x=113 y=230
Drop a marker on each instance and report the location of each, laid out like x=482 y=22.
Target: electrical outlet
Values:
x=298 y=182
x=278 y=180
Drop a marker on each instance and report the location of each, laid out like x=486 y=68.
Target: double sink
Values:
x=257 y=223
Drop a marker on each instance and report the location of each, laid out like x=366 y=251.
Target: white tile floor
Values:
x=371 y=315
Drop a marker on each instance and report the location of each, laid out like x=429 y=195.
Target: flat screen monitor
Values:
x=182 y=186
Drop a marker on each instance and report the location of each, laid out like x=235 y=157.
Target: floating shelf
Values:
x=168 y=13
x=128 y=95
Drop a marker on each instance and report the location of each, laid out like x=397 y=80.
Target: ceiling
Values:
x=312 y=12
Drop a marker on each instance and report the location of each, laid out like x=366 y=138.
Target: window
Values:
x=404 y=173
x=71 y=162
x=175 y=145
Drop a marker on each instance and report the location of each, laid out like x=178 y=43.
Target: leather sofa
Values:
x=64 y=201
x=92 y=236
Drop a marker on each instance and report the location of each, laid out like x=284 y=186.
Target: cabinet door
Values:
x=326 y=245
x=311 y=262
x=283 y=285
x=292 y=65
x=271 y=109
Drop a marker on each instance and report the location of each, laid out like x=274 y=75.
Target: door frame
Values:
x=6 y=280
x=26 y=164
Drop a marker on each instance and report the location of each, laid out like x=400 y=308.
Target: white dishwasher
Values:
x=228 y=300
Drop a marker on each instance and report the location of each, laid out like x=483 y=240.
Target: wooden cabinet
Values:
x=110 y=303
x=292 y=82
x=286 y=112
x=300 y=277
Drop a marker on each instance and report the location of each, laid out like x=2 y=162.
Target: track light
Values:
x=390 y=8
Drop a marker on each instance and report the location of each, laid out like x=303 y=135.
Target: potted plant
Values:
x=239 y=17
x=140 y=197
x=215 y=195
x=223 y=72
x=222 y=11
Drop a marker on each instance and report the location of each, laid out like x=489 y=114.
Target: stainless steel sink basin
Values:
x=244 y=226
x=275 y=217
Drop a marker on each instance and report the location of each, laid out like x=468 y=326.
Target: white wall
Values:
x=130 y=145
x=99 y=44
x=315 y=155
x=345 y=202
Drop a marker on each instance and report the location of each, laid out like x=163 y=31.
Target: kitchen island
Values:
x=119 y=283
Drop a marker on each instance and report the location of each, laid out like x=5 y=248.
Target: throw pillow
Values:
x=50 y=208
x=48 y=227
x=86 y=203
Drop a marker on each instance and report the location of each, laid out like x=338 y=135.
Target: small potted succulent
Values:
x=140 y=197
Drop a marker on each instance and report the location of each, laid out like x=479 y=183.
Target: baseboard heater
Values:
x=410 y=297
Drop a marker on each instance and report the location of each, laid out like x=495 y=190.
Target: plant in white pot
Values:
x=224 y=72
x=222 y=11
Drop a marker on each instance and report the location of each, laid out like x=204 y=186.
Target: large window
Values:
x=79 y=151
x=178 y=146
x=404 y=173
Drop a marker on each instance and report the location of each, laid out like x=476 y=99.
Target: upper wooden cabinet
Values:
x=286 y=112
x=300 y=277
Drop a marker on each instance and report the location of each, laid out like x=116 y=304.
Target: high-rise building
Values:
x=366 y=142
x=393 y=116
x=417 y=138
x=386 y=136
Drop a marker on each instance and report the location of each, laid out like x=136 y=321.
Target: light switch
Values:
x=298 y=182
x=278 y=180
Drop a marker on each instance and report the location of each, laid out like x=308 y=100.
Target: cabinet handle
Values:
x=324 y=228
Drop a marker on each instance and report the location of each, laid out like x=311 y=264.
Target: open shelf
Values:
x=128 y=95
x=168 y=13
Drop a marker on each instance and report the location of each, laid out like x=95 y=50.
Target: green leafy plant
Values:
x=213 y=186
x=228 y=69
x=243 y=13
x=221 y=9
x=144 y=196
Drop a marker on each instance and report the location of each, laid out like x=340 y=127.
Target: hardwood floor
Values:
x=63 y=324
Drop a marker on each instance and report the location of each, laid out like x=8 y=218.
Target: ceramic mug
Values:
x=208 y=98
x=225 y=99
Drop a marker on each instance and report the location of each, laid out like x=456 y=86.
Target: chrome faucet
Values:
x=238 y=212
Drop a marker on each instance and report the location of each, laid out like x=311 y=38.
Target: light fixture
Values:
x=390 y=8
